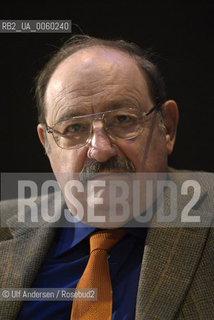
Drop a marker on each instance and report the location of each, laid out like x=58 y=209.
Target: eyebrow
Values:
x=110 y=105
x=68 y=115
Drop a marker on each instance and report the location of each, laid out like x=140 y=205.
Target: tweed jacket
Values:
x=177 y=272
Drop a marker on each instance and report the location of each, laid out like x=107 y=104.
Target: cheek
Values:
x=155 y=154
x=67 y=161
x=134 y=151
x=147 y=153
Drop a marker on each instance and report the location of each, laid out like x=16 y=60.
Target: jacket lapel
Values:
x=21 y=258
x=171 y=256
x=22 y=251
x=170 y=260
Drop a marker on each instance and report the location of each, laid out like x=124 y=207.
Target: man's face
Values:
x=95 y=80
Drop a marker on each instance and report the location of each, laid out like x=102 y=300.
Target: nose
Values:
x=101 y=147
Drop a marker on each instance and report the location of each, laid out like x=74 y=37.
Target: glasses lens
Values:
x=72 y=133
x=124 y=123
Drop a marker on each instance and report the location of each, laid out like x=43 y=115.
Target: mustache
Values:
x=93 y=167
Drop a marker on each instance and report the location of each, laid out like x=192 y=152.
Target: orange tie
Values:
x=96 y=275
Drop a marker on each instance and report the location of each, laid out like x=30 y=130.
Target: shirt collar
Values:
x=68 y=237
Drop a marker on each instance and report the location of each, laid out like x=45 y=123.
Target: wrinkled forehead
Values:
x=95 y=74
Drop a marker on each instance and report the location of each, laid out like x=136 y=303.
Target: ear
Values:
x=171 y=115
x=41 y=133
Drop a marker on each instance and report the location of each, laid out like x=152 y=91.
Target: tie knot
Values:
x=105 y=239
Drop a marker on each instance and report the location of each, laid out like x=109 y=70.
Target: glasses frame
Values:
x=98 y=116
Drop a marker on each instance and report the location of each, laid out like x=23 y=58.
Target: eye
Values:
x=123 y=118
x=74 y=128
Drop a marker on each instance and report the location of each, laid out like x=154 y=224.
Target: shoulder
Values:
x=194 y=193
x=22 y=214
x=205 y=179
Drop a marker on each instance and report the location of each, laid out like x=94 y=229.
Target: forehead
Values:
x=91 y=78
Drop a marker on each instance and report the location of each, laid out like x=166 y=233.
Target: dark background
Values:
x=181 y=35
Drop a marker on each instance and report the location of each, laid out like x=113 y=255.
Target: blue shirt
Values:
x=65 y=264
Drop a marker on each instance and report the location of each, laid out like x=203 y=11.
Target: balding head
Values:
x=77 y=43
x=93 y=77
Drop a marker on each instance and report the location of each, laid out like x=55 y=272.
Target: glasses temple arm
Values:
x=158 y=106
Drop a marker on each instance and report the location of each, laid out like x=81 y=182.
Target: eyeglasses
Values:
x=124 y=123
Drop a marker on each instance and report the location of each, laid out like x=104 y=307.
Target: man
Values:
x=123 y=123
